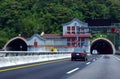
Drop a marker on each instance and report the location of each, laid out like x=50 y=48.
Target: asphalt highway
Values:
x=97 y=67
x=107 y=67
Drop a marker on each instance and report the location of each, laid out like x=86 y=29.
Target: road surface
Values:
x=101 y=67
x=107 y=67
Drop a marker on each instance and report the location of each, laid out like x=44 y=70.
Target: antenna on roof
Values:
x=42 y=33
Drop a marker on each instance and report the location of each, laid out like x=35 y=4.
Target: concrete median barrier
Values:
x=18 y=60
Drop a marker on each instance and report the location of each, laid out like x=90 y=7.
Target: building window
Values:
x=82 y=39
x=73 y=44
x=73 y=28
x=68 y=39
x=35 y=44
x=73 y=39
x=68 y=44
x=82 y=29
x=68 y=28
x=73 y=32
x=78 y=39
x=68 y=32
x=79 y=45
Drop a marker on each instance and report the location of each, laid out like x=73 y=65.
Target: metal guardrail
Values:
x=28 y=53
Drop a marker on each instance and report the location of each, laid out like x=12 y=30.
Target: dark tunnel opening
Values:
x=102 y=46
x=17 y=45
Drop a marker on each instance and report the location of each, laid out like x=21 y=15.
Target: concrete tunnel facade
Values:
x=16 y=44
x=103 y=46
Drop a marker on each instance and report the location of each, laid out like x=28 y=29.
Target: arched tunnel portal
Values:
x=16 y=44
x=103 y=46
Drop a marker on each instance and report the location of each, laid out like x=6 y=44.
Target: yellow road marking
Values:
x=26 y=66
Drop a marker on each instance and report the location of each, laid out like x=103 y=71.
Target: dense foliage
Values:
x=27 y=17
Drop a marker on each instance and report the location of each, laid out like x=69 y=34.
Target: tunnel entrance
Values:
x=103 y=46
x=16 y=44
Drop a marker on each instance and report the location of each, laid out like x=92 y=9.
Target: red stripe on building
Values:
x=75 y=35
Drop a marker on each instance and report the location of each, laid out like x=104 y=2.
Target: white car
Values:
x=94 y=52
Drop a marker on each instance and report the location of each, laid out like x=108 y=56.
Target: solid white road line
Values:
x=69 y=72
x=116 y=58
x=88 y=63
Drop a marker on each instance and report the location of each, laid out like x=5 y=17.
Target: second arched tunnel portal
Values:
x=16 y=44
x=103 y=46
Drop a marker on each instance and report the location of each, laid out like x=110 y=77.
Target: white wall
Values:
x=39 y=40
x=57 y=41
x=31 y=41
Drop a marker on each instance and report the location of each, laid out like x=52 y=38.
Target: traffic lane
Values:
x=54 y=70
x=117 y=57
x=107 y=67
x=47 y=71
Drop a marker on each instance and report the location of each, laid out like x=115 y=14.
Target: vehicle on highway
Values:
x=79 y=55
x=94 y=52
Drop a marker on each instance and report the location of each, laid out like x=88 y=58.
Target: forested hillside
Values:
x=27 y=17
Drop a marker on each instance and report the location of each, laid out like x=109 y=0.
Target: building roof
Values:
x=79 y=35
x=52 y=35
x=36 y=35
x=75 y=19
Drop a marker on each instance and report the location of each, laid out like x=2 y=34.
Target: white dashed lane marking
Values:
x=88 y=63
x=69 y=72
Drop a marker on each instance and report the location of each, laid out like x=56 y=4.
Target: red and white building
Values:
x=75 y=34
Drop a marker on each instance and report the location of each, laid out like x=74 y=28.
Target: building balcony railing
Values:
x=79 y=35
